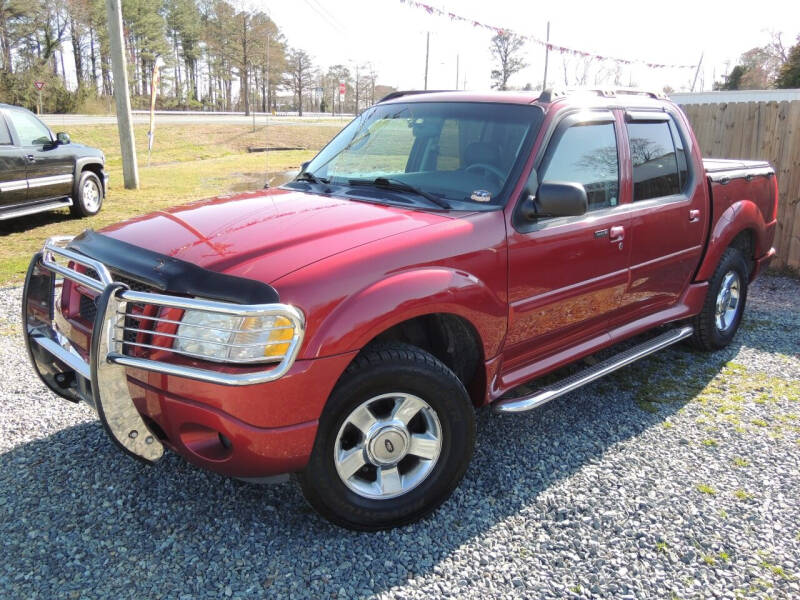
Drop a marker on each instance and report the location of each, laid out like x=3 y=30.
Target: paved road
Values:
x=164 y=118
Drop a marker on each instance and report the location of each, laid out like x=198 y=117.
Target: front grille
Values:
x=87 y=309
x=134 y=310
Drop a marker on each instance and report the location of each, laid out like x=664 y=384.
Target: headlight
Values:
x=230 y=338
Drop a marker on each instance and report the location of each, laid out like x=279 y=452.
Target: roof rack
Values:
x=401 y=93
x=551 y=94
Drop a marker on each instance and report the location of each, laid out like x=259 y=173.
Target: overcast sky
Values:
x=392 y=34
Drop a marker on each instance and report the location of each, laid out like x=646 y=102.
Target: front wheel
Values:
x=717 y=323
x=393 y=442
x=89 y=198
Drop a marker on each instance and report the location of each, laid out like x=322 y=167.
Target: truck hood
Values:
x=267 y=234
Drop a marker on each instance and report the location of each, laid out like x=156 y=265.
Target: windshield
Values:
x=455 y=151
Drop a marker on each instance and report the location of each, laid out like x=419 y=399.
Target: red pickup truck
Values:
x=440 y=251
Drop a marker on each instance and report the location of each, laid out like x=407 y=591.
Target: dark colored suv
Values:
x=40 y=171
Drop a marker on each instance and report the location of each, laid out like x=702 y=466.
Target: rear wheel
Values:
x=716 y=325
x=393 y=442
x=89 y=198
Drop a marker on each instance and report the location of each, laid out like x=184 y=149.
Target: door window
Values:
x=655 y=165
x=587 y=154
x=31 y=131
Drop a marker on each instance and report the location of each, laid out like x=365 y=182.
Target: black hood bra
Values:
x=170 y=274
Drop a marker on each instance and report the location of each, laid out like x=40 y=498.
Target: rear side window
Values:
x=5 y=136
x=655 y=163
x=587 y=154
x=31 y=131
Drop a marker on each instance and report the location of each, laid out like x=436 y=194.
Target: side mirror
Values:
x=556 y=199
x=304 y=165
x=62 y=138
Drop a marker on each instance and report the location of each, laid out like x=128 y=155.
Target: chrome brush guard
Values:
x=100 y=379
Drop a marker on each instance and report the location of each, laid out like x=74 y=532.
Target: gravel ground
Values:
x=676 y=477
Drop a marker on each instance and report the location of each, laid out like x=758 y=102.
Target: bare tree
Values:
x=505 y=49
x=300 y=76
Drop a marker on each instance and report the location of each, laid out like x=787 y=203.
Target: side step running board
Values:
x=601 y=369
x=32 y=209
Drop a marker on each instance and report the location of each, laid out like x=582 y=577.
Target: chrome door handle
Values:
x=31 y=158
x=616 y=234
x=694 y=215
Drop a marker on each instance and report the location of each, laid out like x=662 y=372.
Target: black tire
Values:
x=708 y=335
x=379 y=370
x=84 y=204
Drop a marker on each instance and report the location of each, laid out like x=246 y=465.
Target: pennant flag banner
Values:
x=432 y=10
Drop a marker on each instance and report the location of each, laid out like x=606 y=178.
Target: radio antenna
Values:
x=266 y=115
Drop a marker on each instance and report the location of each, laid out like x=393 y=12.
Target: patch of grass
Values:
x=200 y=141
x=776 y=570
x=759 y=422
x=667 y=425
x=662 y=547
x=742 y=495
x=741 y=462
x=723 y=513
x=709 y=442
x=706 y=489
x=709 y=560
x=724 y=556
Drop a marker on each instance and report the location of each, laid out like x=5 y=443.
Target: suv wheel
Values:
x=393 y=442
x=89 y=197
x=716 y=325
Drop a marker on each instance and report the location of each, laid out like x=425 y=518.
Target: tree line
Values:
x=213 y=54
x=763 y=67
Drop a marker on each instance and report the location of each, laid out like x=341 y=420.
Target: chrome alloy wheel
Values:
x=388 y=446
x=728 y=301
x=91 y=195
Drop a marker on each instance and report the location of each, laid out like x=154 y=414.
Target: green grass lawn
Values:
x=188 y=163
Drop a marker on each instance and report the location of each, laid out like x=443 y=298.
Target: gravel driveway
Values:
x=677 y=477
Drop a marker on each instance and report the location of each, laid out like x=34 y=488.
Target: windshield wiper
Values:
x=311 y=178
x=401 y=186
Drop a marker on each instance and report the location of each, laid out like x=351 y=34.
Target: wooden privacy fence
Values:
x=759 y=130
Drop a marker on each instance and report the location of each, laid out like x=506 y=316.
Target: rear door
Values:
x=669 y=211
x=50 y=165
x=568 y=275
x=13 y=166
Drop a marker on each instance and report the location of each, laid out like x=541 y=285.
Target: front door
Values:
x=13 y=166
x=568 y=275
x=50 y=165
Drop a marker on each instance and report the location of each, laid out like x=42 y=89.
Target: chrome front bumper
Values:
x=101 y=380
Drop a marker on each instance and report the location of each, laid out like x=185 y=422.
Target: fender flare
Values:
x=80 y=165
x=738 y=217
x=408 y=294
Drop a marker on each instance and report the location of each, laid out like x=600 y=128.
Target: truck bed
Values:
x=743 y=182
x=720 y=167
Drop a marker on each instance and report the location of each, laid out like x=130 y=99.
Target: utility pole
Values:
x=427 y=52
x=546 y=57
x=130 y=170
x=697 y=72
x=457 y=65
